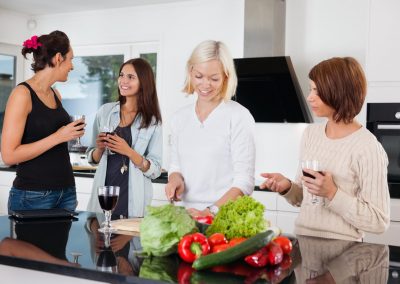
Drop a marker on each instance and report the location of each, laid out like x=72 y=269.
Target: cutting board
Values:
x=128 y=226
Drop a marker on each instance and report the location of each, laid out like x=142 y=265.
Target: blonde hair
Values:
x=213 y=50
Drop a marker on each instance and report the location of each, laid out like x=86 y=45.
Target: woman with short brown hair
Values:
x=352 y=186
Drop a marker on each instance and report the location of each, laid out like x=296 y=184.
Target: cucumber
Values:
x=241 y=250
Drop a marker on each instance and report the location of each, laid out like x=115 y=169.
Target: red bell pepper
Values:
x=185 y=271
x=275 y=253
x=204 y=219
x=258 y=259
x=193 y=246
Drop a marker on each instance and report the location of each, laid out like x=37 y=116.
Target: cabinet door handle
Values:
x=388 y=126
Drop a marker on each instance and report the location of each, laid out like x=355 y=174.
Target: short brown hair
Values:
x=341 y=84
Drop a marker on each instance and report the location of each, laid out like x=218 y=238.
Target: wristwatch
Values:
x=213 y=209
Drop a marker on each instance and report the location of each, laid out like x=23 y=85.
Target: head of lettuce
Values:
x=163 y=227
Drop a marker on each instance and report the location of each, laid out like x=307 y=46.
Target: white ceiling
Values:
x=42 y=7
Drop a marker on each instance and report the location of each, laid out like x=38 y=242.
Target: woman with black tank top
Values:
x=37 y=129
x=134 y=153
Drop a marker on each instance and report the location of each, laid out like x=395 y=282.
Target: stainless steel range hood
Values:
x=268 y=85
x=264 y=28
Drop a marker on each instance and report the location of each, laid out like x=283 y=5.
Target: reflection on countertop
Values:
x=313 y=260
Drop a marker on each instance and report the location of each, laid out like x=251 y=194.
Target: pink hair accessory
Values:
x=32 y=43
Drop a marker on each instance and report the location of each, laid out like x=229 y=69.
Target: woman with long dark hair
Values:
x=131 y=157
x=37 y=128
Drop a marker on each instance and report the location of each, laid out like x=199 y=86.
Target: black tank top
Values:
x=52 y=169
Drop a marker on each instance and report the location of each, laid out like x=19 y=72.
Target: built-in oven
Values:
x=383 y=120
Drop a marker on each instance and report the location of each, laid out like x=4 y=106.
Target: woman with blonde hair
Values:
x=213 y=149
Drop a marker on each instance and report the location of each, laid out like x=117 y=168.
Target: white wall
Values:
x=13 y=29
x=178 y=27
x=315 y=30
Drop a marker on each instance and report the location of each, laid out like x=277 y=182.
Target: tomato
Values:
x=236 y=241
x=204 y=219
x=217 y=239
x=219 y=248
x=286 y=262
x=284 y=243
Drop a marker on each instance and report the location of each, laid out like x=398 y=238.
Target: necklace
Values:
x=124 y=167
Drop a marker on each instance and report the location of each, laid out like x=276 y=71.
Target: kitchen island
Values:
x=68 y=247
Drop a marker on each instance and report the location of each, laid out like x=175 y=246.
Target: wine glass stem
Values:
x=108 y=219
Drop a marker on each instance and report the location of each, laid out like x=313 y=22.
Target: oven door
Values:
x=388 y=135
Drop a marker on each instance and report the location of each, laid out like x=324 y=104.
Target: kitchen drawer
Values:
x=267 y=198
x=271 y=216
x=84 y=184
x=390 y=237
x=285 y=221
x=159 y=191
x=7 y=178
x=283 y=205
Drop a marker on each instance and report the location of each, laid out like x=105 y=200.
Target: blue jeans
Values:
x=43 y=199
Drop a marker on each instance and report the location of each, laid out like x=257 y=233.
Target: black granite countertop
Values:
x=50 y=246
x=163 y=178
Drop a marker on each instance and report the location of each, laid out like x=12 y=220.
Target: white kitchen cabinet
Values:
x=285 y=221
x=383 y=58
x=390 y=237
x=159 y=197
x=6 y=180
x=83 y=191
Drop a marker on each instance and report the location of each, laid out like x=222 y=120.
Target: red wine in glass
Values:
x=310 y=175
x=108 y=198
x=108 y=202
x=77 y=144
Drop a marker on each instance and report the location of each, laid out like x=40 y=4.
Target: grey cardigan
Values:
x=148 y=144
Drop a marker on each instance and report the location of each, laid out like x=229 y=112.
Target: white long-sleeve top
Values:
x=215 y=155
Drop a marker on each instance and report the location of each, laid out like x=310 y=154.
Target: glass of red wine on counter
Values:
x=315 y=166
x=77 y=144
x=108 y=198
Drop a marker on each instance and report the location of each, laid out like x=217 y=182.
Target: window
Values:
x=93 y=82
x=11 y=66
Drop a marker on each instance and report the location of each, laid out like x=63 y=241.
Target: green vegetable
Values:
x=160 y=268
x=243 y=217
x=163 y=227
x=236 y=252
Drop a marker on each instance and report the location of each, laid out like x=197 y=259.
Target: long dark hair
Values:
x=51 y=44
x=147 y=100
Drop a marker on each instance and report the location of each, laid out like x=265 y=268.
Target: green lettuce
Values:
x=160 y=268
x=163 y=227
x=243 y=217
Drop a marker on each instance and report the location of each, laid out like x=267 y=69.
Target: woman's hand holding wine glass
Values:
x=317 y=181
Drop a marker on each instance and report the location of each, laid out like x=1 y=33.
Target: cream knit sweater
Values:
x=346 y=261
x=358 y=164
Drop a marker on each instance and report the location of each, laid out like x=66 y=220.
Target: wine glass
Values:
x=108 y=198
x=315 y=166
x=108 y=130
x=107 y=261
x=77 y=144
